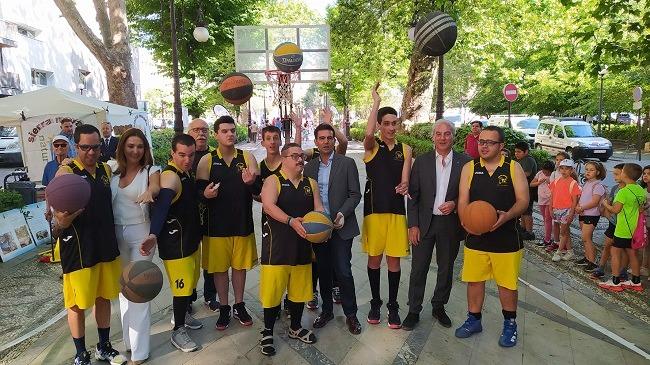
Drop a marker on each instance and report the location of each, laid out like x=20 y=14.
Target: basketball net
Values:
x=282 y=85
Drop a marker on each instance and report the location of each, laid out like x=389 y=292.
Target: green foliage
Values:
x=10 y=199
x=421 y=131
x=419 y=146
x=628 y=133
x=540 y=156
x=357 y=134
x=511 y=138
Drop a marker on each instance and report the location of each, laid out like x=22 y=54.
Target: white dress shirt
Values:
x=443 y=171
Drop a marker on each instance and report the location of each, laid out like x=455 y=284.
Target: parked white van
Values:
x=574 y=136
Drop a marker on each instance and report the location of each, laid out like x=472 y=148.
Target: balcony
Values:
x=9 y=84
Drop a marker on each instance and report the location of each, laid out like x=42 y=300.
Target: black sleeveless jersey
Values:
x=231 y=212
x=315 y=153
x=265 y=171
x=90 y=239
x=384 y=173
x=197 y=158
x=281 y=245
x=181 y=233
x=498 y=190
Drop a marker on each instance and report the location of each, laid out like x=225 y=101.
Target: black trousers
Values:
x=443 y=235
x=337 y=254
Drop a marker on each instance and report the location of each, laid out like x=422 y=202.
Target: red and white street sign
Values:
x=510 y=92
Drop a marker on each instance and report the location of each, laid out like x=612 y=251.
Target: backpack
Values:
x=640 y=234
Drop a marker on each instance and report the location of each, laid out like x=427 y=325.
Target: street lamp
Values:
x=601 y=75
x=200 y=35
x=81 y=88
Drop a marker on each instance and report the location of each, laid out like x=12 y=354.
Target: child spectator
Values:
x=529 y=166
x=561 y=156
x=599 y=272
x=541 y=181
x=588 y=211
x=565 y=192
x=628 y=203
x=645 y=182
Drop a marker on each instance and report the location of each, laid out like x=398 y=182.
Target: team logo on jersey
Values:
x=502 y=180
x=105 y=180
x=240 y=166
x=399 y=156
x=67 y=238
x=307 y=191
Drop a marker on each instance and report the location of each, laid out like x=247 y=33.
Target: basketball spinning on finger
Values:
x=479 y=217
x=435 y=34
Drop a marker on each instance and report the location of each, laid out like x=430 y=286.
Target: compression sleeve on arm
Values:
x=159 y=210
x=200 y=188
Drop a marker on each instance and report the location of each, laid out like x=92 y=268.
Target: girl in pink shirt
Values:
x=542 y=181
x=564 y=198
x=588 y=213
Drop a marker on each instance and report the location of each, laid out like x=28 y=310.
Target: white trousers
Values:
x=136 y=317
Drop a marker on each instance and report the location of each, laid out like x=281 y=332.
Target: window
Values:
x=82 y=79
x=29 y=33
x=558 y=131
x=40 y=77
x=579 y=131
x=545 y=129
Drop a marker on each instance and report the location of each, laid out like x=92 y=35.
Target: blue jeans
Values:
x=336 y=253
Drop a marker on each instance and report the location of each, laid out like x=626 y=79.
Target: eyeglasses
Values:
x=488 y=142
x=86 y=147
x=296 y=156
x=59 y=145
x=200 y=130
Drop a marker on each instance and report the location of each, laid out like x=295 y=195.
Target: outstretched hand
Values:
x=375 y=93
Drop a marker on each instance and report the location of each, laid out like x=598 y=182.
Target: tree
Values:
x=112 y=51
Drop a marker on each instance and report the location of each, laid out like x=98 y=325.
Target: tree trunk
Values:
x=114 y=52
x=416 y=103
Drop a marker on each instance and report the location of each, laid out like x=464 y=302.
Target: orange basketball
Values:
x=236 y=88
x=479 y=217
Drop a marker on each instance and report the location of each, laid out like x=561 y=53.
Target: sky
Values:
x=319 y=5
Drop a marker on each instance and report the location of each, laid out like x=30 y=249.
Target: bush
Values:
x=357 y=134
x=421 y=131
x=627 y=133
x=10 y=199
x=511 y=138
x=162 y=142
x=540 y=157
x=361 y=124
x=419 y=146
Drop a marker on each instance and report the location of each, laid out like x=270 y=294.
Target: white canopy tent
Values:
x=37 y=115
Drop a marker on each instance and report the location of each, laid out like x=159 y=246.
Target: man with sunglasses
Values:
x=60 y=149
x=496 y=254
x=286 y=254
x=89 y=253
x=388 y=168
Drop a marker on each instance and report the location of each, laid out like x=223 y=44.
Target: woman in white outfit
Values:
x=134 y=186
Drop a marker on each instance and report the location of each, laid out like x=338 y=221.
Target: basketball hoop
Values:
x=282 y=85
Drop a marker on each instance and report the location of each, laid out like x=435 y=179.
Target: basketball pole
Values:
x=178 y=112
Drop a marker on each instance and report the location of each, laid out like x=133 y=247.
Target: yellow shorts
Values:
x=222 y=253
x=275 y=280
x=503 y=267
x=183 y=274
x=385 y=233
x=82 y=287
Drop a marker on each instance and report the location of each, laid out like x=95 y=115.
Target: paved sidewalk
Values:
x=547 y=333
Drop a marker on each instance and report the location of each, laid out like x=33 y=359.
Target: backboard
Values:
x=254 y=47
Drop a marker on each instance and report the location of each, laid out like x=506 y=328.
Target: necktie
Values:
x=106 y=141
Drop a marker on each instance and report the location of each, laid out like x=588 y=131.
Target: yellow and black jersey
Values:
x=197 y=157
x=181 y=233
x=90 y=239
x=384 y=173
x=231 y=212
x=265 y=171
x=315 y=153
x=498 y=190
x=281 y=245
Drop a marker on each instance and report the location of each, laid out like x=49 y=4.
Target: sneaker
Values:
x=597 y=273
x=224 y=317
x=213 y=305
x=569 y=255
x=239 y=313
x=313 y=303
x=629 y=285
x=374 y=315
x=582 y=262
x=336 y=295
x=609 y=285
x=410 y=321
x=509 y=334
x=182 y=340
x=394 y=321
x=108 y=353
x=82 y=358
x=266 y=343
x=190 y=322
x=552 y=247
x=287 y=310
x=589 y=267
x=541 y=243
x=623 y=275
x=470 y=327
x=557 y=256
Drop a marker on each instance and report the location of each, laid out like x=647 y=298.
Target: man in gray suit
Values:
x=433 y=222
x=338 y=183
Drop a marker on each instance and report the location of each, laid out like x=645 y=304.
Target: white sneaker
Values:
x=568 y=255
x=190 y=322
x=557 y=256
x=182 y=340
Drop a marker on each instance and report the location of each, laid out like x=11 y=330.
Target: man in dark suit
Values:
x=338 y=183
x=433 y=222
x=109 y=143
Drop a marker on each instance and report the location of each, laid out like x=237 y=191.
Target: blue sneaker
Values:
x=509 y=335
x=470 y=327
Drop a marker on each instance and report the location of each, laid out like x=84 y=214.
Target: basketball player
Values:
x=226 y=177
x=286 y=254
x=89 y=253
x=497 y=254
x=176 y=229
x=388 y=167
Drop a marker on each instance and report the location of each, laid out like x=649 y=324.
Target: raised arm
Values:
x=371 y=126
x=297 y=122
x=342 y=145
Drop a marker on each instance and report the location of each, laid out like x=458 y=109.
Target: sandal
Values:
x=266 y=343
x=303 y=335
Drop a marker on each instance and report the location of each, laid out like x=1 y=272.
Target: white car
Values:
x=10 y=146
x=574 y=136
x=528 y=127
